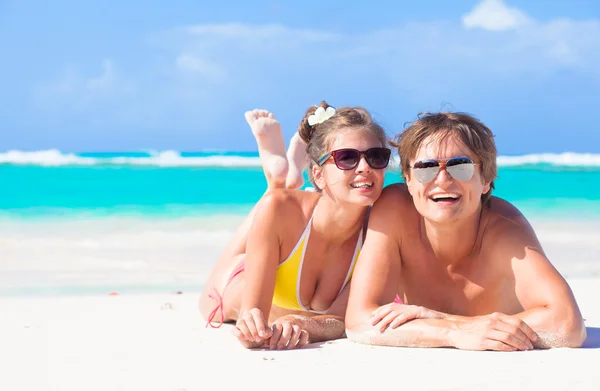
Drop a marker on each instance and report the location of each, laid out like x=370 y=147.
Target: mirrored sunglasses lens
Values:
x=461 y=172
x=426 y=164
x=346 y=159
x=425 y=174
x=458 y=160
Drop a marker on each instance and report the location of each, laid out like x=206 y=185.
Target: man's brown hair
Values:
x=466 y=128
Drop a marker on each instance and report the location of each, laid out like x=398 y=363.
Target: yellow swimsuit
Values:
x=287 y=282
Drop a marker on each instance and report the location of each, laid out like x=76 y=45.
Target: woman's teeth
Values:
x=362 y=184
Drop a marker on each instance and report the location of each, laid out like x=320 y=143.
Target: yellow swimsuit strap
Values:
x=287 y=281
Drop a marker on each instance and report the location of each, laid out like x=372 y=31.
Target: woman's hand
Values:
x=251 y=329
x=288 y=333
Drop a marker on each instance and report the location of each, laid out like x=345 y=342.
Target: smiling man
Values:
x=445 y=264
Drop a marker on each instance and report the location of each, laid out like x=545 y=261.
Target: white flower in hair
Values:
x=321 y=115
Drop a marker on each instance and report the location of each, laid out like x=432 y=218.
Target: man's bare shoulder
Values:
x=393 y=207
x=395 y=197
x=508 y=233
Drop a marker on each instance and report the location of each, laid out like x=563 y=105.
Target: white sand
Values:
x=159 y=342
x=159 y=255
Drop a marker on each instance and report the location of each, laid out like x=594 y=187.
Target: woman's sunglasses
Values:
x=348 y=158
x=460 y=168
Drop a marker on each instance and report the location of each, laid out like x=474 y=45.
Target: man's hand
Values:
x=493 y=332
x=394 y=315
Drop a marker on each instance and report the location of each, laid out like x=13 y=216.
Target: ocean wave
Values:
x=568 y=159
x=54 y=157
x=169 y=158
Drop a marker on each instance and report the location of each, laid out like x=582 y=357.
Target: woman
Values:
x=282 y=289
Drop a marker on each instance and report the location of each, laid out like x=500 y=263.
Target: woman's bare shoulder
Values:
x=287 y=204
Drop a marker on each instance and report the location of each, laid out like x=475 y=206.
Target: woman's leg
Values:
x=297 y=162
x=271 y=149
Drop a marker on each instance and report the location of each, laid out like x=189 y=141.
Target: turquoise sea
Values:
x=51 y=184
x=154 y=221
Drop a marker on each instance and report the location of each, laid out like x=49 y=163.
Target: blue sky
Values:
x=132 y=75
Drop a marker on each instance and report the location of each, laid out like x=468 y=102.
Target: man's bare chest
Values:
x=469 y=290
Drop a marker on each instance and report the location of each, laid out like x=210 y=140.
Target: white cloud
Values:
x=252 y=33
x=105 y=83
x=213 y=65
x=192 y=63
x=494 y=15
x=76 y=91
x=416 y=54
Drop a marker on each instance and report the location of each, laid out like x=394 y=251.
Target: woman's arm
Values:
x=262 y=257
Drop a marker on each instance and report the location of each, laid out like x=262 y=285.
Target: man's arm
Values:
x=549 y=305
x=377 y=275
x=377 y=278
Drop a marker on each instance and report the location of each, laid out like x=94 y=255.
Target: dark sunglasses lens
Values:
x=461 y=169
x=346 y=159
x=378 y=158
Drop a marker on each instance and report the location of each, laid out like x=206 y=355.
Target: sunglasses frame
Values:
x=444 y=163
x=332 y=154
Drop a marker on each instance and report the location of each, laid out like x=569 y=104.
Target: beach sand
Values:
x=160 y=342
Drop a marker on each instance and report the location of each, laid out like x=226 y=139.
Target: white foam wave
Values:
x=54 y=157
x=51 y=157
x=568 y=159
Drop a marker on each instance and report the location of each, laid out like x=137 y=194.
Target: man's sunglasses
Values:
x=348 y=158
x=460 y=168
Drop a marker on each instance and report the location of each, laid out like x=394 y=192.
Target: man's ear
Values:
x=409 y=184
x=486 y=186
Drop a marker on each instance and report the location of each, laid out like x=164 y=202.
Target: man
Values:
x=445 y=264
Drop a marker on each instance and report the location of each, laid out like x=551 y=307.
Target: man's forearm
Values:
x=426 y=333
x=554 y=328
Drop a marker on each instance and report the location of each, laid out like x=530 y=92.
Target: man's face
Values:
x=444 y=198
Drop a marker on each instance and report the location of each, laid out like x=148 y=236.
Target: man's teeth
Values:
x=444 y=196
x=362 y=184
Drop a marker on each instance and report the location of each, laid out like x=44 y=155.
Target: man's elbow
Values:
x=573 y=332
x=362 y=335
x=569 y=333
x=359 y=332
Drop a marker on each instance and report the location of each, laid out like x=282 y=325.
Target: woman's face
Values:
x=361 y=185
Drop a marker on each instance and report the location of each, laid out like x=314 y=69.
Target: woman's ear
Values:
x=318 y=176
